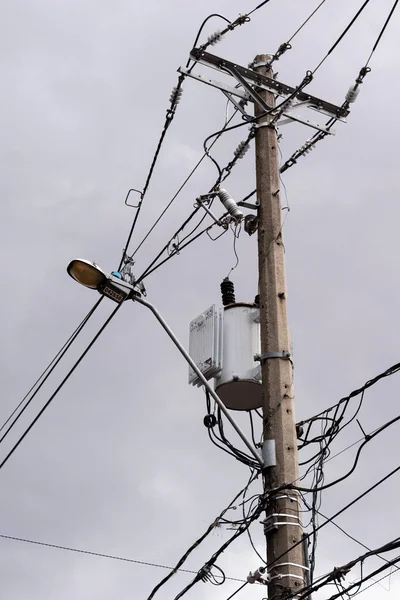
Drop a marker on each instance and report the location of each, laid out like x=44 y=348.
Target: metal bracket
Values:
x=268 y=453
x=267 y=83
x=200 y=203
x=217 y=84
x=267 y=355
x=249 y=205
x=237 y=105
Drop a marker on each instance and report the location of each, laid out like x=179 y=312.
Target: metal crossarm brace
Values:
x=267 y=83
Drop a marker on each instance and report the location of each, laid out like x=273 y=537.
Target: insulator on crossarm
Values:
x=352 y=94
x=176 y=95
x=241 y=149
x=214 y=38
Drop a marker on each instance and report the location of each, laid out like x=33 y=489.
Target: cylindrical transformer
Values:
x=239 y=383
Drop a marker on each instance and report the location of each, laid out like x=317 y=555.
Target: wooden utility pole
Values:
x=283 y=527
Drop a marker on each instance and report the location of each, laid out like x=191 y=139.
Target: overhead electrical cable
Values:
x=351 y=537
x=209 y=529
x=351 y=95
x=178 y=192
x=339 y=512
x=27 y=430
x=46 y=373
x=240 y=530
x=101 y=555
x=342 y=35
x=174 y=100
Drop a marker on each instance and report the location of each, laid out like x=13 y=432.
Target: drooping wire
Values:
x=200 y=540
x=174 y=100
x=338 y=513
x=101 y=555
x=192 y=172
x=47 y=404
x=350 y=97
x=46 y=373
x=237 y=227
x=227 y=169
x=241 y=529
x=347 y=534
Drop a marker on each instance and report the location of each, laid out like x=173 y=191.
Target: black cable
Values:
x=211 y=561
x=60 y=386
x=322 y=134
x=382 y=31
x=392 y=562
x=306 y=21
x=258 y=7
x=101 y=555
x=194 y=212
x=214 y=15
x=339 y=512
x=371 y=382
x=366 y=441
x=179 y=190
x=198 y=541
x=48 y=371
x=374 y=583
x=347 y=534
x=237 y=591
x=338 y=573
x=354 y=19
x=174 y=99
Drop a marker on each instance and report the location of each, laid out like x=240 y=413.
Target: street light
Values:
x=90 y=275
x=112 y=285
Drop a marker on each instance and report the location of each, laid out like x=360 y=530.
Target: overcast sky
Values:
x=121 y=463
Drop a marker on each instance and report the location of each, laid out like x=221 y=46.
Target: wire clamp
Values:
x=268 y=355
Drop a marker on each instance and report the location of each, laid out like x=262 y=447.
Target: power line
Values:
x=100 y=331
x=382 y=31
x=178 y=191
x=342 y=510
x=101 y=555
x=200 y=539
x=366 y=441
x=174 y=100
x=368 y=384
x=47 y=372
x=342 y=35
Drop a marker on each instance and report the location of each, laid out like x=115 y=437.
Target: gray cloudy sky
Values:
x=121 y=463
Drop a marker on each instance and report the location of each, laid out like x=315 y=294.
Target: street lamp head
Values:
x=87 y=273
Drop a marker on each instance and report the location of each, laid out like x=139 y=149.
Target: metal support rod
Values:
x=200 y=375
x=200 y=203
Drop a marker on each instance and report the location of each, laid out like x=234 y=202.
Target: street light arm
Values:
x=200 y=375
